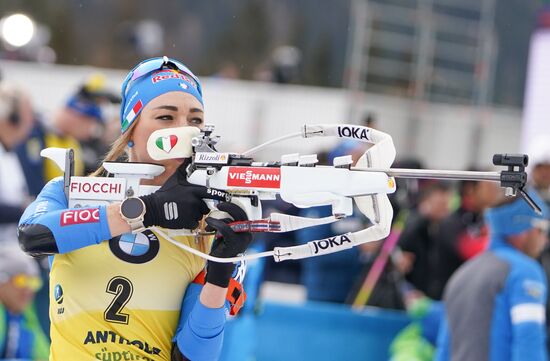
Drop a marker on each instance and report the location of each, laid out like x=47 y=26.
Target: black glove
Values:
x=230 y=244
x=178 y=204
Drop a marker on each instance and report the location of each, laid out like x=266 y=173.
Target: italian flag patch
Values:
x=166 y=143
x=132 y=115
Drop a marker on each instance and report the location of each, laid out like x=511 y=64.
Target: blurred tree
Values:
x=207 y=34
x=318 y=65
x=514 y=24
x=247 y=42
x=60 y=23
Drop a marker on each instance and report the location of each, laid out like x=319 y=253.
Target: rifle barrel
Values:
x=435 y=174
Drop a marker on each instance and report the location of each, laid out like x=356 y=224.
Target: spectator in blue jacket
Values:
x=495 y=303
x=21 y=336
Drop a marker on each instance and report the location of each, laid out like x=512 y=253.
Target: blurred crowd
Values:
x=438 y=226
x=87 y=122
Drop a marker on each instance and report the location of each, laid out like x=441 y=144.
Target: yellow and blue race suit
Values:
x=119 y=298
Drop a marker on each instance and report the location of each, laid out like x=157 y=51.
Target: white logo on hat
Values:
x=183 y=85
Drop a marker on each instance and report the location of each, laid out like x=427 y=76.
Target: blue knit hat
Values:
x=138 y=93
x=516 y=217
x=85 y=107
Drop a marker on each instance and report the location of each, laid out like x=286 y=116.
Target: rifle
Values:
x=237 y=178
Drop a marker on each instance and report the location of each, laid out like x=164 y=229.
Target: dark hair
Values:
x=369 y=120
x=464 y=184
x=431 y=186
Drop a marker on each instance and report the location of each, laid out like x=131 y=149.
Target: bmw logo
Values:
x=58 y=294
x=135 y=248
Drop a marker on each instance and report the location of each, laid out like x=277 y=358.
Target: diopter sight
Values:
x=514 y=179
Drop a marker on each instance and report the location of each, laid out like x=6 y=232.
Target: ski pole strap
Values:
x=235 y=292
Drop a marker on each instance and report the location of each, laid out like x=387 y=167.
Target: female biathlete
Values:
x=118 y=290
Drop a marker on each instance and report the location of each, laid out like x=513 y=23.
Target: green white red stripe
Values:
x=166 y=143
x=132 y=114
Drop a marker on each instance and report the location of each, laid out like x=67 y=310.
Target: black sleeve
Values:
x=447 y=234
x=410 y=239
x=37 y=240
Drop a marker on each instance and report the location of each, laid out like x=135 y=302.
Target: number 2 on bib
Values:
x=123 y=289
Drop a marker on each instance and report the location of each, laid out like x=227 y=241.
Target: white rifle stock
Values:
x=297 y=179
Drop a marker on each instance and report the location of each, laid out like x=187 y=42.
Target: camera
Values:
x=9 y=105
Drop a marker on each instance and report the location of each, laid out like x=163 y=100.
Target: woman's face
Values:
x=170 y=110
